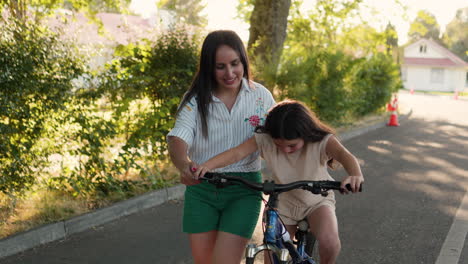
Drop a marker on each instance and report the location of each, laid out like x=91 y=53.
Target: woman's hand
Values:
x=199 y=172
x=186 y=174
x=354 y=181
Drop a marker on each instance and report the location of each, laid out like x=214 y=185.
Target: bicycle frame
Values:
x=277 y=239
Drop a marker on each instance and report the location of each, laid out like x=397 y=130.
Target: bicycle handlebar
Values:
x=269 y=187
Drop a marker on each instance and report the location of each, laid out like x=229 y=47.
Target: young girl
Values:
x=297 y=146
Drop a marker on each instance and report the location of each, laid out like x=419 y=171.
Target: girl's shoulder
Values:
x=319 y=145
x=263 y=139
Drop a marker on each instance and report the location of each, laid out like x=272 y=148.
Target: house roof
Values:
x=450 y=60
x=118 y=28
x=446 y=62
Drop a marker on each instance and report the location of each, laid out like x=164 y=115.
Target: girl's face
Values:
x=229 y=69
x=289 y=146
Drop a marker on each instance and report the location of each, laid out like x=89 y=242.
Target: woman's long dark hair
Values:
x=204 y=82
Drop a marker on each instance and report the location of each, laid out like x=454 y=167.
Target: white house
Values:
x=428 y=66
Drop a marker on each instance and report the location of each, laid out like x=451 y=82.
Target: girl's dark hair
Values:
x=204 y=82
x=291 y=119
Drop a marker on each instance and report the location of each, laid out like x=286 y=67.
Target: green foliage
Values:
x=118 y=129
x=317 y=79
x=372 y=82
x=38 y=9
x=60 y=129
x=161 y=72
x=339 y=70
x=455 y=36
x=424 y=26
x=186 y=11
x=244 y=9
x=330 y=16
x=144 y=85
x=37 y=70
x=362 y=40
x=391 y=35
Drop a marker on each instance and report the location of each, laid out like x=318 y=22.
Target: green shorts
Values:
x=233 y=209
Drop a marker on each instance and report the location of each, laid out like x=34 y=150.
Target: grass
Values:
x=441 y=93
x=42 y=205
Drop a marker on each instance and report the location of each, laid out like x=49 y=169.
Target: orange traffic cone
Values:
x=393 y=117
x=455 y=95
x=411 y=91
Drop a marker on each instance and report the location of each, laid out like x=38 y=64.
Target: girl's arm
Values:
x=228 y=157
x=338 y=152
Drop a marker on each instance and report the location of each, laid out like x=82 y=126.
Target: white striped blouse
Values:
x=225 y=129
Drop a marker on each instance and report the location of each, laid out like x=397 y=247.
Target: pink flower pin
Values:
x=254 y=120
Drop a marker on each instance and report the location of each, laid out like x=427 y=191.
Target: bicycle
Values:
x=276 y=238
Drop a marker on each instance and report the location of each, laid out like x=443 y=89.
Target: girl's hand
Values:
x=186 y=175
x=354 y=181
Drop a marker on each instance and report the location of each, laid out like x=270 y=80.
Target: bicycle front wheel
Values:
x=249 y=260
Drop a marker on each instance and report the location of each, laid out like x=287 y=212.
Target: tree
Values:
x=456 y=36
x=42 y=8
x=268 y=24
x=187 y=11
x=392 y=41
x=424 y=26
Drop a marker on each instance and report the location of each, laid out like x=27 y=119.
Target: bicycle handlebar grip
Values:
x=209 y=175
x=348 y=186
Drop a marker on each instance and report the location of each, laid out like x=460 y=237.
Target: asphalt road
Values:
x=416 y=178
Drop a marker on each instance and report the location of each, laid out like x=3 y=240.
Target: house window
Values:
x=423 y=48
x=437 y=75
x=466 y=80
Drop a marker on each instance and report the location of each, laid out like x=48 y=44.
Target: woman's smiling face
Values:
x=229 y=69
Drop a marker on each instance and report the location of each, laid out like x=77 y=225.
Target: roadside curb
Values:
x=359 y=131
x=61 y=230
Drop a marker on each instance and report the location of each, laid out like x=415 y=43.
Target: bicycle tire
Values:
x=311 y=247
x=249 y=260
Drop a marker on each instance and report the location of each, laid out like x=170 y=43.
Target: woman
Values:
x=219 y=111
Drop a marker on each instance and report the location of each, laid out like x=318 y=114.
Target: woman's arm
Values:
x=338 y=152
x=178 y=153
x=228 y=157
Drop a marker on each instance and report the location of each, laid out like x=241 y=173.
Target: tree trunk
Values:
x=268 y=24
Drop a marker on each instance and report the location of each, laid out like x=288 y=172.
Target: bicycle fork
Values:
x=276 y=237
x=253 y=249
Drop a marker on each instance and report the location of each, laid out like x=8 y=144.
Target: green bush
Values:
x=372 y=82
x=117 y=130
x=160 y=71
x=36 y=73
x=317 y=80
